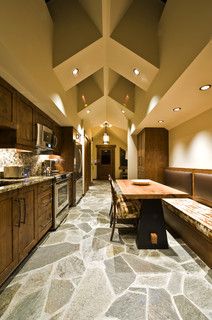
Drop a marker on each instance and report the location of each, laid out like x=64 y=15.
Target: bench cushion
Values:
x=179 y=180
x=203 y=188
x=197 y=214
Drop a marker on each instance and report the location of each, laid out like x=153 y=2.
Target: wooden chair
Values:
x=123 y=212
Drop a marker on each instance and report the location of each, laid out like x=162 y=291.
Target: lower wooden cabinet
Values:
x=45 y=207
x=25 y=216
x=8 y=236
x=27 y=224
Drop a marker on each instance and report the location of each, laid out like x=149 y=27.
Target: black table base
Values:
x=151 y=221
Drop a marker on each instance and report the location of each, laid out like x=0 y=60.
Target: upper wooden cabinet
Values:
x=152 y=146
x=7 y=111
x=18 y=119
x=43 y=119
x=24 y=123
x=58 y=132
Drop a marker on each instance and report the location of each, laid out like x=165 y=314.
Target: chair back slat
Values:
x=113 y=190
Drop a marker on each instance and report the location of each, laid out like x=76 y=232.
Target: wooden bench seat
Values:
x=195 y=213
x=188 y=218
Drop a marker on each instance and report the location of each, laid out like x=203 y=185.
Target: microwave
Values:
x=46 y=139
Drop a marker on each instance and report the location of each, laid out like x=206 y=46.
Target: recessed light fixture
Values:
x=160 y=121
x=75 y=72
x=88 y=111
x=136 y=71
x=123 y=111
x=205 y=87
x=176 y=109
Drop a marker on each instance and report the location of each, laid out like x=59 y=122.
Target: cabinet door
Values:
x=24 y=123
x=43 y=119
x=45 y=198
x=58 y=132
x=8 y=240
x=27 y=235
x=6 y=106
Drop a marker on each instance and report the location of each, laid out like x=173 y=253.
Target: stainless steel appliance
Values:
x=61 y=198
x=78 y=179
x=46 y=139
x=13 y=172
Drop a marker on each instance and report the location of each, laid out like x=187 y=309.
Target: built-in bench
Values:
x=187 y=217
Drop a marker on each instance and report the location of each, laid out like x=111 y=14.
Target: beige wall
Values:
x=113 y=140
x=26 y=58
x=190 y=144
x=184 y=29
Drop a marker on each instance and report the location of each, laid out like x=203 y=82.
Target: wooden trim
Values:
x=106 y=146
x=192 y=170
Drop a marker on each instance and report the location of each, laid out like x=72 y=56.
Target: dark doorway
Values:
x=105 y=161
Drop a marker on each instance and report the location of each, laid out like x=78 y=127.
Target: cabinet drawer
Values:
x=44 y=186
x=44 y=202
x=45 y=219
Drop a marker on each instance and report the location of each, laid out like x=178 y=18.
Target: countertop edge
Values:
x=27 y=182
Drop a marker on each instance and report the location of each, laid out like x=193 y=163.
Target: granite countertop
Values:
x=20 y=183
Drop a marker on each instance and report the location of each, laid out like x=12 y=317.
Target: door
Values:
x=105 y=161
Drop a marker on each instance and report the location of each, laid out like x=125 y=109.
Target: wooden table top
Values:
x=154 y=190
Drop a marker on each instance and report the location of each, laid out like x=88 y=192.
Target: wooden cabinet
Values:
x=58 y=133
x=72 y=191
x=18 y=118
x=7 y=111
x=26 y=232
x=45 y=207
x=25 y=216
x=8 y=236
x=24 y=123
x=87 y=164
x=152 y=146
x=17 y=228
x=42 y=118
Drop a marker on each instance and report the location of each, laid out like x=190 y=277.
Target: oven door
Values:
x=61 y=199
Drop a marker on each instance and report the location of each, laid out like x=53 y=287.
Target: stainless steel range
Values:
x=61 y=198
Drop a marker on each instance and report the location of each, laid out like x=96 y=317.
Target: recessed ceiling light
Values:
x=75 y=72
x=160 y=121
x=136 y=71
x=88 y=111
x=176 y=109
x=205 y=87
x=123 y=111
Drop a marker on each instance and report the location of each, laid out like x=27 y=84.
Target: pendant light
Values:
x=106 y=138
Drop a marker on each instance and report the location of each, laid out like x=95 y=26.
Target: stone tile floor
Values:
x=77 y=273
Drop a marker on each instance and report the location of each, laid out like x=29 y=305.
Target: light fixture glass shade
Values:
x=106 y=138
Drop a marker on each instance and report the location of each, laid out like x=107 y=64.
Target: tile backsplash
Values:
x=32 y=162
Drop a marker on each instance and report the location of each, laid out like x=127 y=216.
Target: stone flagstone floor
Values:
x=77 y=273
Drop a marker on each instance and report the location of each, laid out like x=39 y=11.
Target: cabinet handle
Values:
x=23 y=206
x=19 y=213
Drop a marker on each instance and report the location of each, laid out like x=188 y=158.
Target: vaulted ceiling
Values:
x=100 y=39
x=41 y=43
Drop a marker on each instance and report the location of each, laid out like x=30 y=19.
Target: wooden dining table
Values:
x=151 y=232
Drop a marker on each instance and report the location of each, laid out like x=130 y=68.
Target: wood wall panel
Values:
x=87 y=165
x=152 y=146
